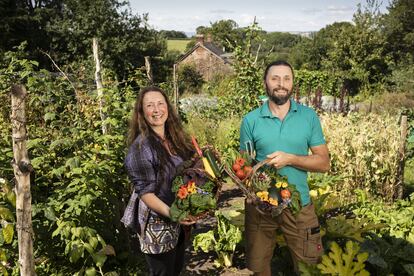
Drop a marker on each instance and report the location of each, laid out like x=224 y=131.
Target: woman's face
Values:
x=155 y=109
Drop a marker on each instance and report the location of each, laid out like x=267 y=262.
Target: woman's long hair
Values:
x=174 y=132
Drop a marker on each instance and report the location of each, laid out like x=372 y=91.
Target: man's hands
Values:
x=280 y=159
x=318 y=161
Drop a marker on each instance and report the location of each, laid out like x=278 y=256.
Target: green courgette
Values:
x=212 y=161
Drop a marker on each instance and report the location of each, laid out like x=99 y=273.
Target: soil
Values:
x=200 y=263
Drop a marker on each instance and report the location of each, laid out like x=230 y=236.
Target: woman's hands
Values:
x=189 y=220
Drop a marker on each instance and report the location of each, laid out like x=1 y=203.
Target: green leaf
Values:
x=11 y=198
x=76 y=252
x=409 y=268
x=50 y=214
x=111 y=273
x=101 y=240
x=3 y=270
x=93 y=241
x=338 y=262
x=6 y=214
x=90 y=271
x=204 y=241
x=50 y=116
x=99 y=259
x=33 y=143
x=8 y=232
x=88 y=248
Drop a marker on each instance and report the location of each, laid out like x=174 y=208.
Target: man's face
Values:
x=279 y=84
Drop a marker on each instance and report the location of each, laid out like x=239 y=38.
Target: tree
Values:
x=276 y=45
x=173 y=34
x=225 y=33
x=398 y=27
x=64 y=29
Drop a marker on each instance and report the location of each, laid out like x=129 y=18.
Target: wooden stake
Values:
x=175 y=80
x=99 y=85
x=22 y=168
x=149 y=70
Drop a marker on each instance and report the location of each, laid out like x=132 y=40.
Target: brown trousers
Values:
x=301 y=232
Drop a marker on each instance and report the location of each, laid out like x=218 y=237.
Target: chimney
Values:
x=200 y=39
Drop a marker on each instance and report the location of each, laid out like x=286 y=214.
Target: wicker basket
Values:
x=194 y=169
x=246 y=186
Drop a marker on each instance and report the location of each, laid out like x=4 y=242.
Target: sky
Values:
x=272 y=15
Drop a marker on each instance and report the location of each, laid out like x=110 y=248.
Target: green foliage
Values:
x=78 y=178
x=223 y=240
x=309 y=81
x=388 y=255
x=398 y=27
x=340 y=262
x=222 y=133
x=173 y=34
x=400 y=79
x=341 y=227
x=225 y=33
x=399 y=217
x=276 y=45
x=8 y=239
x=247 y=85
x=65 y=28
x=189 y=79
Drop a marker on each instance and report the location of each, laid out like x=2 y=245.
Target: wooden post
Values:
x=22 y=168
x=149 y=70
x=175 y=80
x=401 y=158
x=99 y=85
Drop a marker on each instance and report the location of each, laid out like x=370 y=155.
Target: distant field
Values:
x=177 y=44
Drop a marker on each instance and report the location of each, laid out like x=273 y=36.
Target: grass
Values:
x=177 y=44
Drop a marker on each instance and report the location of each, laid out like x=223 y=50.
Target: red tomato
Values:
x=240 y=174
x=285 y=193
x=247 y=170
x=236 y=167
x=240 y=161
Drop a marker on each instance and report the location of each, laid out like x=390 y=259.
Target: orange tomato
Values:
x=285 y=194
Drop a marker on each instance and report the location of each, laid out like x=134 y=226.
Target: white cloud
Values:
x=222 y=11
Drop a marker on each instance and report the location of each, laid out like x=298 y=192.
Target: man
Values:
x=284 y=131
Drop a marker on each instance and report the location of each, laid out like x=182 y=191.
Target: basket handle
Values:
x=259 y=165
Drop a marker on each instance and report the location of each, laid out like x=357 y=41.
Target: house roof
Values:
x=209 y=46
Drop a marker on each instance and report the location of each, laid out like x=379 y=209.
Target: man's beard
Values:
x=278 y=99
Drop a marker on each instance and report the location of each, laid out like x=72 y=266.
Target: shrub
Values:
x=190 y=80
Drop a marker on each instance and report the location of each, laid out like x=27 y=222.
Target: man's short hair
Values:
x=278 y=63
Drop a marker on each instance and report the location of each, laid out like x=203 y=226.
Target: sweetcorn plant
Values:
x=364 y=151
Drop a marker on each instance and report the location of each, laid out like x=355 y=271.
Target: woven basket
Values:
x=245 y=185
x=194 y=169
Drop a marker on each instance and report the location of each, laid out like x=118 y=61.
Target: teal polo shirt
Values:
x=300 y=130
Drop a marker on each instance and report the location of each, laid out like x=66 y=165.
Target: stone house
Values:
x=207 y=58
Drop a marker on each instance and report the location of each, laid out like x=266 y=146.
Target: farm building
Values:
x=207 y=58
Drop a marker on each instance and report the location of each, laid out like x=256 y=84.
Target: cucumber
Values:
x=213 y=162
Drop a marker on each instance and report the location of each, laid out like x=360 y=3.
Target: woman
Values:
x=157 y=145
